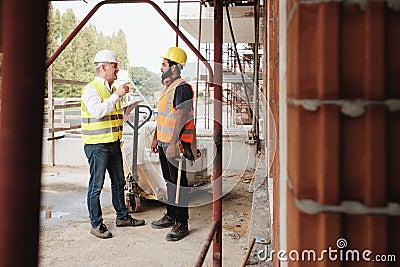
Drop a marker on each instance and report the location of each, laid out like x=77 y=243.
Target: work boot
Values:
x=179 y=231
x=164 y=222
x=101 y=231
x=129 y=221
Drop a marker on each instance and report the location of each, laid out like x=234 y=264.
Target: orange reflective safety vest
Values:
x=167 y=116
x=106 y=129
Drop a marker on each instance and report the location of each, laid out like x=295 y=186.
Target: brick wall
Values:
x=343 y=126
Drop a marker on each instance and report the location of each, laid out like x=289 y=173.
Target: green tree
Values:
x=120 y=47
x=148 y=82
x=65 y=68
x=84 y=54
x=76 y=61
x=102 y=42
x=53 y=30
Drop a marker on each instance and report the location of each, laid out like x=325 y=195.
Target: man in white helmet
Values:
x=102 y=121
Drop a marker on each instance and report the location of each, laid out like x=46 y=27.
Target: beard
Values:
x=166 y=75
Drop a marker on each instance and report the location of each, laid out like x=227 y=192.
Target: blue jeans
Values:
x=102 y=157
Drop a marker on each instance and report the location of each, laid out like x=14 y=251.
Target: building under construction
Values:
x=314 y=83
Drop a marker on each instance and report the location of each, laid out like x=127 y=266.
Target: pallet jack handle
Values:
x=136 y=126
x=132 y=195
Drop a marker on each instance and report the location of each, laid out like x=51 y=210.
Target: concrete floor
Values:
x=65 y=238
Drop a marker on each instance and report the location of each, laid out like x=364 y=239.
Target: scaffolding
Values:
x=25 y=240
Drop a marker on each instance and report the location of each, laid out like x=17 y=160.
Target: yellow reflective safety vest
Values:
x=166 y=118
x=106 y=129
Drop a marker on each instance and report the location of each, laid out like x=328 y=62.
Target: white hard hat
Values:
x=105 y=56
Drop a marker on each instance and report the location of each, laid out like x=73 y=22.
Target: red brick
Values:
x=353 y=158
x=366 y=232
x=393 y=233
x=363 y=157
x=313 y=153
x=392 y=85
x=291 y=5
x=374 y=51
x=313 y=51
x=393 y=156
x=352 y=47
x=375 y=178
x=392 y=70
x=311 y=232
x=293 y=64
x=337 y=51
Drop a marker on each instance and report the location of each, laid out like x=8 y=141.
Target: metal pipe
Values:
x=156 y=7
x=248 y=253
x=237 y=55
x=135 y=146
x=23 y=43
x=198 y=61
x=185 y=2
x=207 y=120
x=266 y=81
x=178 y=7
x=50 y=112
x=256 y=113
x=206 y=246
x=217 y=164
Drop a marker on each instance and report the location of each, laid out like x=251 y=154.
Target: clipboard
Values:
x=131 y=105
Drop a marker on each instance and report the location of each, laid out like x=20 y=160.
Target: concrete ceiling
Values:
x=242 y=18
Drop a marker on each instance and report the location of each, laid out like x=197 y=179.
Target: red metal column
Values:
x=273 y=103
x=23 y=28
x=217 y=164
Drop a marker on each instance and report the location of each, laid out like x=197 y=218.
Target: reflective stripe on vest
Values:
x=106 y=129
x=167 y=116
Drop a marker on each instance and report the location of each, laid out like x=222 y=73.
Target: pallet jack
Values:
x=132 y=189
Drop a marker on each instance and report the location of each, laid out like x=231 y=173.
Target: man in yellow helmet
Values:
x=174 y=125
x=102 y=121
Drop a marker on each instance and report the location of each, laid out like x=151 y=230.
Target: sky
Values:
x=148 y=35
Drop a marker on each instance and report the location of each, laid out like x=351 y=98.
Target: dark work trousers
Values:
x=169 y=168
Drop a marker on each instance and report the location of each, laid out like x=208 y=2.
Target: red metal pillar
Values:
x=24 y=30
x=273 y=103
x=217 y=167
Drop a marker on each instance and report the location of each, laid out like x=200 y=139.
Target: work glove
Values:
x=187 y=151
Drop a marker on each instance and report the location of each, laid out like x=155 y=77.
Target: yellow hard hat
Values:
x=176 y=54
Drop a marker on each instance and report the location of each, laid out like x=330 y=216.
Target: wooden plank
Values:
x=58 y=125
x=65 y=81
x=64 y=129
x=68 y=105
